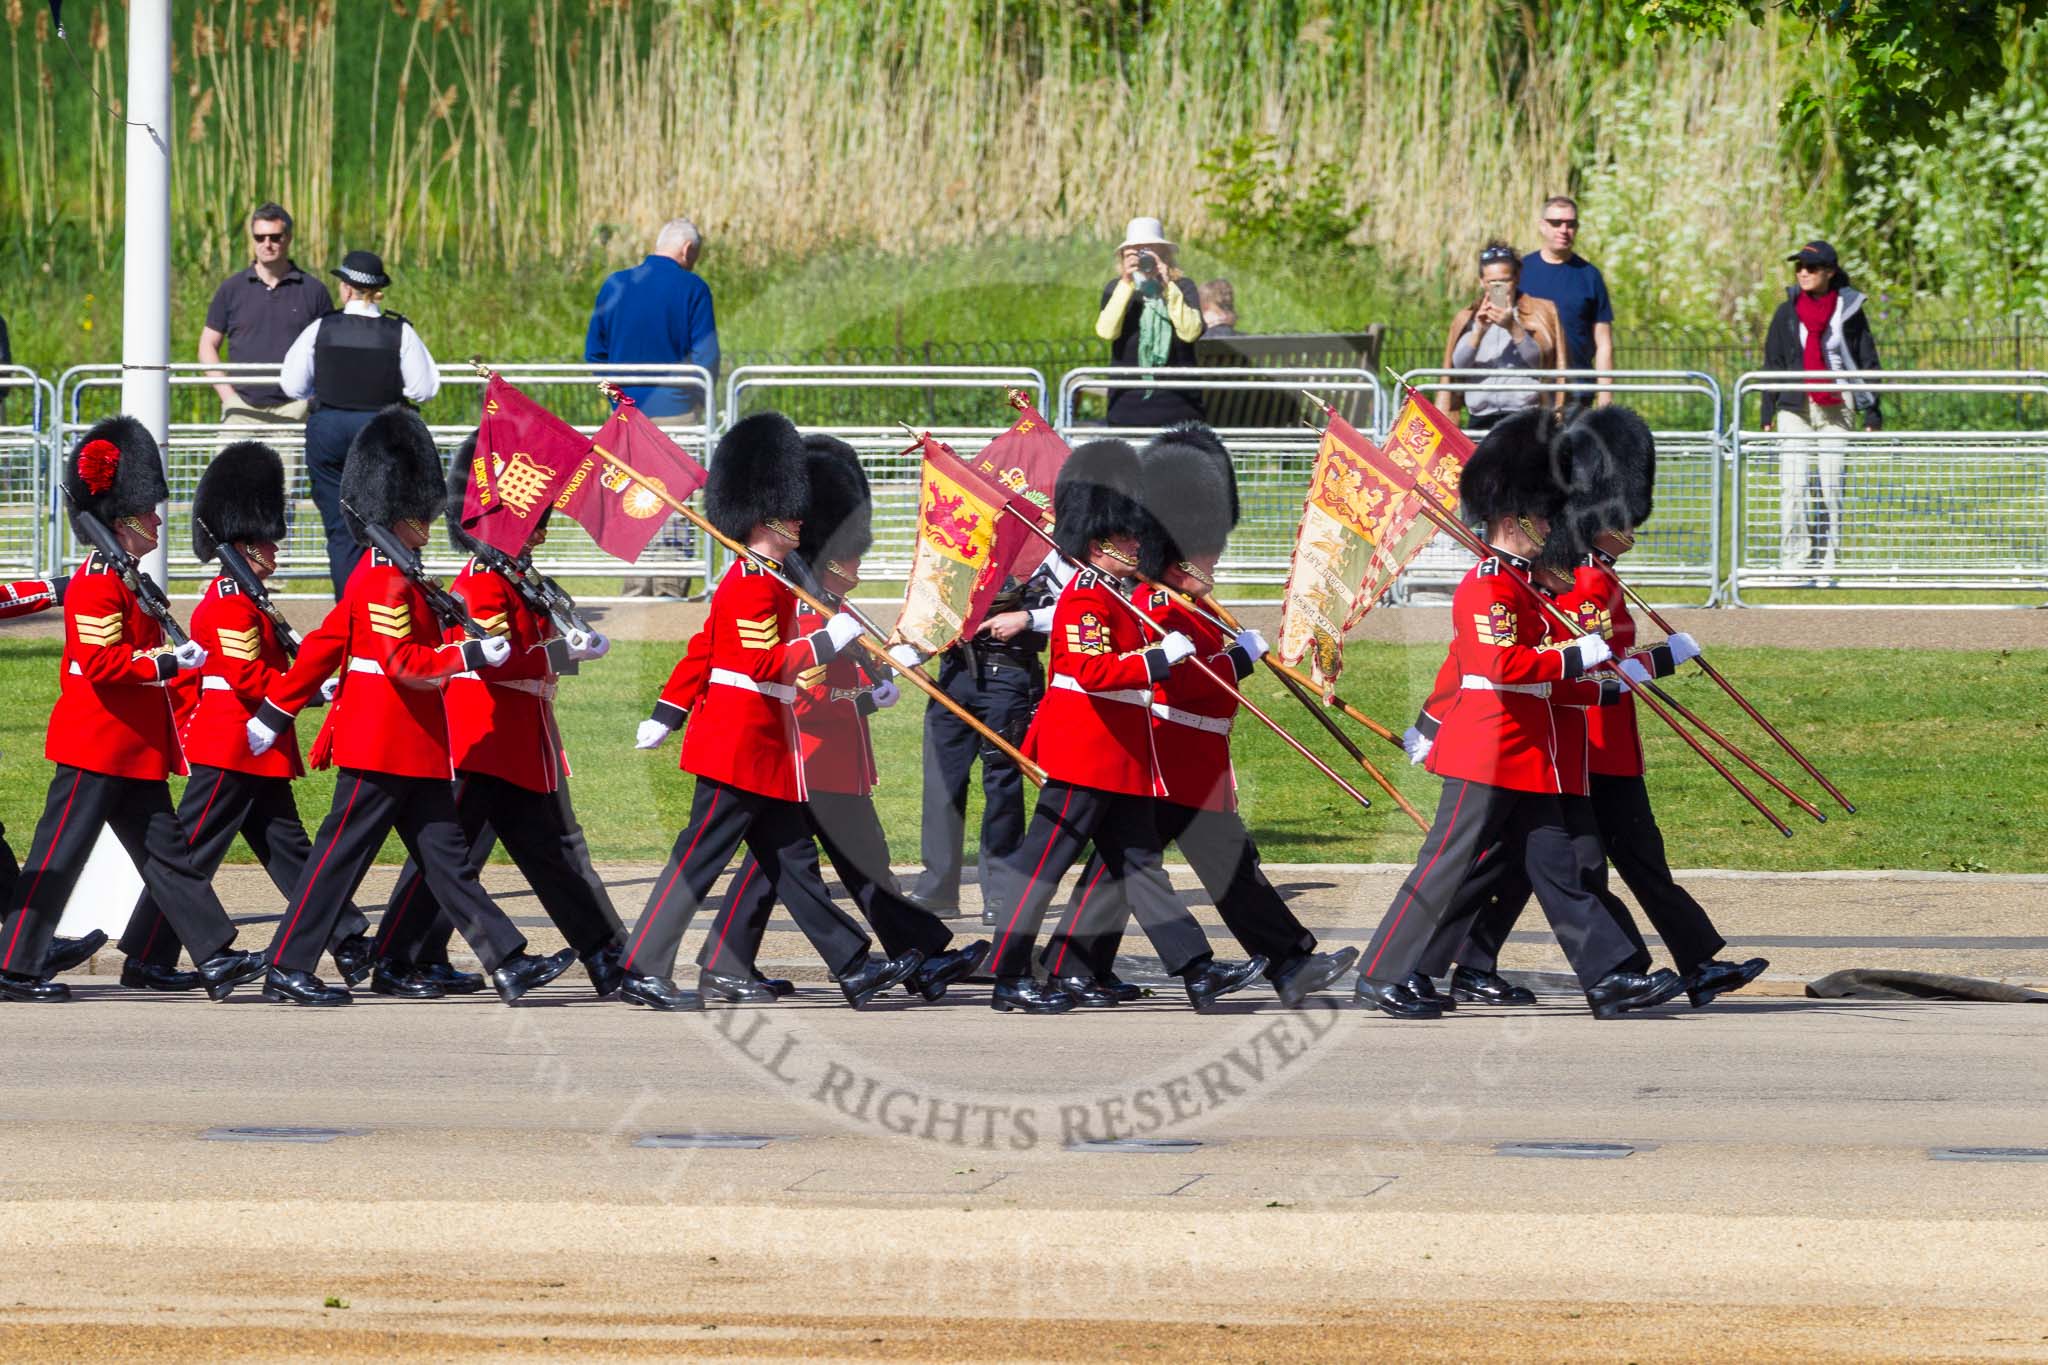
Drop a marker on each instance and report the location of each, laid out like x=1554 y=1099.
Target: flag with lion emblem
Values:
x=964 y=544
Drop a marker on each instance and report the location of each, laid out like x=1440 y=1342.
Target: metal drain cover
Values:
x=1988 y=1153
x=1154 y=1145
x=1579 y=1151
x=278 y=1134
x=746 y=1141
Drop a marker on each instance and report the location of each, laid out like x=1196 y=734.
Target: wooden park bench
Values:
x=1288 y=350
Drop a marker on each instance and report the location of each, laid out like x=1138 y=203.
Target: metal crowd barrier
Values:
x=1904 y=507
x=27 y=401
x=1680 y=546
x=87 y=393
x=1273 y=463
x=831 y=394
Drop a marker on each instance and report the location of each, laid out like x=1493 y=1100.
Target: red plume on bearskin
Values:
x=98 y=462
x=116 y=471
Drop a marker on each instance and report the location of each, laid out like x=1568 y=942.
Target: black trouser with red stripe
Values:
x=1223 y=857
x=367 y=806
x=723 y=817
x=218 y=804
x=139 y=812
x=1532 y=827
x=1619 y=810
x=540 y=831
x=9 y=869
x=1125 y=832
x=851 y=832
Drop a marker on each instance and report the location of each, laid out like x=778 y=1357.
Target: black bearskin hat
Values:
x=240 y=499
x=1096 y=496
x=1203 y=438
x=839 y=524
x=1606 y=459
x=458 y=493
x=392 y=473
x=1510 y=474
x=758 y=473
x=116 y=471
x=1188 y=505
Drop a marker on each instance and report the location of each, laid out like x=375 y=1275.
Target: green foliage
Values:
x=1914 y=64
x=1262 y=202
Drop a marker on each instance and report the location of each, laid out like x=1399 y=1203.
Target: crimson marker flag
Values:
x=613 y=492
x=1025 y=461
x=523 y=452
x=957 y=570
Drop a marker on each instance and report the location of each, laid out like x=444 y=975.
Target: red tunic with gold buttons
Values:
x=243 y=662
x=1499 y=729
x=742 y=729
x=1191 y=712
x=834 y=701
x=501 y=721
x=1597 y=604
x=388 y=716
x=113 y=713
x=26 y=597
x=1094 y=726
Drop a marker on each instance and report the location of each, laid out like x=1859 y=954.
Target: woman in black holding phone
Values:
x=1505 y=330
x=1151 y=316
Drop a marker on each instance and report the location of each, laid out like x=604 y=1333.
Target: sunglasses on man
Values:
x=270 y=236
x=1571 y=223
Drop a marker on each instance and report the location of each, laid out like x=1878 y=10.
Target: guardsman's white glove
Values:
x=1683 y=647
x=1635 y=670
x=886 y=694
x=1417 y=744
x=842 y=630
x=261 y=737
x=906 y=654
x=596 y=645
x=330 y=689
x=1177 y=647
x=652 y=733
x=189 y=655
x=1592 y=652
x=1253 y=644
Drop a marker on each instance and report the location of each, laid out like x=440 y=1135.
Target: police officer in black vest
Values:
x=999 y=677
x=352 y=364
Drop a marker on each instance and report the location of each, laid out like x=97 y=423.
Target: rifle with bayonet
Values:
x=238 y=568
x=444 y=603
x=546 y=597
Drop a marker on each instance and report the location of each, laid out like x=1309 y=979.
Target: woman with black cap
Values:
x=352 y=364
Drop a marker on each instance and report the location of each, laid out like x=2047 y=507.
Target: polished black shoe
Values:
x=148 y=976
x=1394 y=1000
x=1023 y=995
x=389 y=978
x=66 y=953
x=737 y=990
x=943 y=969
x=877 y=974
x=224 y=971
x=1206 y=985
x=523 y=972
x=1312 y=972
x=1488 y=988
x=783 y=988
x=1422 y=988
x=1619 y=992
x=1710 y=979
x=301 y=988
x=449 y=980
x=1124 y=991
x=1087 y=993
x=988 y=919
x=32 y=991
x=605 y=971
x=353 y=957
x=658 y=993
x=932 y=907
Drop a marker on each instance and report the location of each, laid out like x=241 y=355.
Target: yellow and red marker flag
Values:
x=523 y=452
x=1361 y=524
x=955 y=571
x=612 y=492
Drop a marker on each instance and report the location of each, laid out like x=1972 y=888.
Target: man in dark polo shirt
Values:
x=352 y=364
x=1556 y=272
x=259 y=312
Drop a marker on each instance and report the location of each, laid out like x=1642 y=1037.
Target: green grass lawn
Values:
x=1942 y=753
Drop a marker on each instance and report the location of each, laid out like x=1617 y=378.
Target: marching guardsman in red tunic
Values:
x=511 y=783
x=386 y=730
x=737 y=688
x=1497 y=754
x=114 y=738
x=1093 y=736
x=239 y=503
x=1614 y=462
x=834 y=701
x=1190 y=496
x=25 y=598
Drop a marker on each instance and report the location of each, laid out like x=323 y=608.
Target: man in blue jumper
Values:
x=658 y=313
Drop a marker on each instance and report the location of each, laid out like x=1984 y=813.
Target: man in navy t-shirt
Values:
x=1573 y=283
x=657 y=313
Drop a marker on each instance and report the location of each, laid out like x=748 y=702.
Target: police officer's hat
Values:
x=363 y=269
x=240 y=499
x=116 y=471
x=1096 y=496
x=759 y=473
x=1510 y=474
x=392 y=474
x=1188 y=501
x=839 y=524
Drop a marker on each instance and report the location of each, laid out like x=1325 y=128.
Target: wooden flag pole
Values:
x=1346 y=707
x=875 y=646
